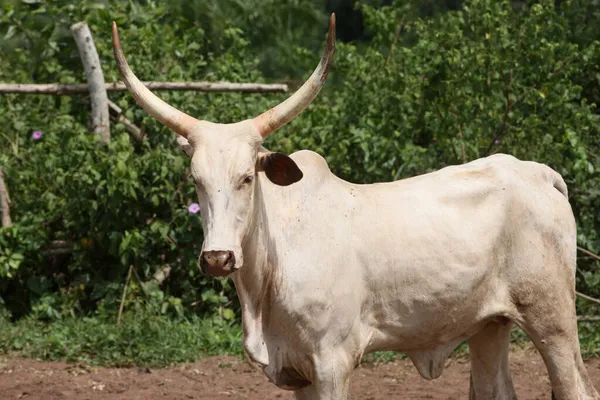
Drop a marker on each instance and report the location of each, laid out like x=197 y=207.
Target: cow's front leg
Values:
x=307 y=393
x=331 y=382
x=324 y=391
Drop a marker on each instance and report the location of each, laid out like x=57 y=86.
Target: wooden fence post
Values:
x=93 y=71
x=4 y=202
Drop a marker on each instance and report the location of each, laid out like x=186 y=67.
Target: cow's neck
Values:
x=253 y=281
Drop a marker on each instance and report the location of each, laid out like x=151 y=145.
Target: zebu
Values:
x=327 y=271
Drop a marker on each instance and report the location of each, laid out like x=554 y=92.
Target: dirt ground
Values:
x=229 y=378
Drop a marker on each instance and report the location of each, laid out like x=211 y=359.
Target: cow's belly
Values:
x=427 y=310
x=418 y=306
x=429 y=319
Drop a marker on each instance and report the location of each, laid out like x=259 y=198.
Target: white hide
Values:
x=335 y=270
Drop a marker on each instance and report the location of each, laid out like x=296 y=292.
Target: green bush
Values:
x=421 y=94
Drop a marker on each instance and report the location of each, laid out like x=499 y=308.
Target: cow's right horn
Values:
x=269 y=121
x=176 y=120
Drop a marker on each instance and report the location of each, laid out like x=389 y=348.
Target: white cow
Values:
x=327 y=271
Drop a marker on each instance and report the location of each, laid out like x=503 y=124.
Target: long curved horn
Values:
x=176 y=120
x=269 y=121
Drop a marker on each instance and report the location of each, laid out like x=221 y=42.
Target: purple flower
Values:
x=194 y=208
x=497 y=141
x=37 y=135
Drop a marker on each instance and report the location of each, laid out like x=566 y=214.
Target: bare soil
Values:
x=231 y=378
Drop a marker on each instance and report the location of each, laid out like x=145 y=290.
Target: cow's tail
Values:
x=559 y=183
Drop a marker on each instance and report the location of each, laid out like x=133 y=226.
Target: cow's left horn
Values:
x=177 y=120
x=269 y=121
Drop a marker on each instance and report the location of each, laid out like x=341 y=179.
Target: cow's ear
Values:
x=279 y=168
x=185 y=146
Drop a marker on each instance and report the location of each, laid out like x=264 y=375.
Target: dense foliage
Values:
x=415 y=94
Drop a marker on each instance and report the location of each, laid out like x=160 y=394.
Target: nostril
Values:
x=218 y=258
x=228 y=257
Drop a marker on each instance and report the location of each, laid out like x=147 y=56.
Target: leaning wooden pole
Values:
x=4 y=202
x=116 y=114
x=60 y=89
x=100 y=122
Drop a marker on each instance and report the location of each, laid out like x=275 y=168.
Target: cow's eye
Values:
x=248 y=179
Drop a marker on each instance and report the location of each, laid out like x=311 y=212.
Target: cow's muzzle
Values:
x=217 y=263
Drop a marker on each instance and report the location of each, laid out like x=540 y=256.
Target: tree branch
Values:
x=116 y=114
x=158 y=277
x=589 y=298
x=59 y=89
x=588 y=318
x=162 y=274
x=4 y=202
x=59 y=247
x=395 y=40
x=507 y=108
x=460 y=135
x=589 y=253
x=124 y=295
x=462 y=144
x=559 y=67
